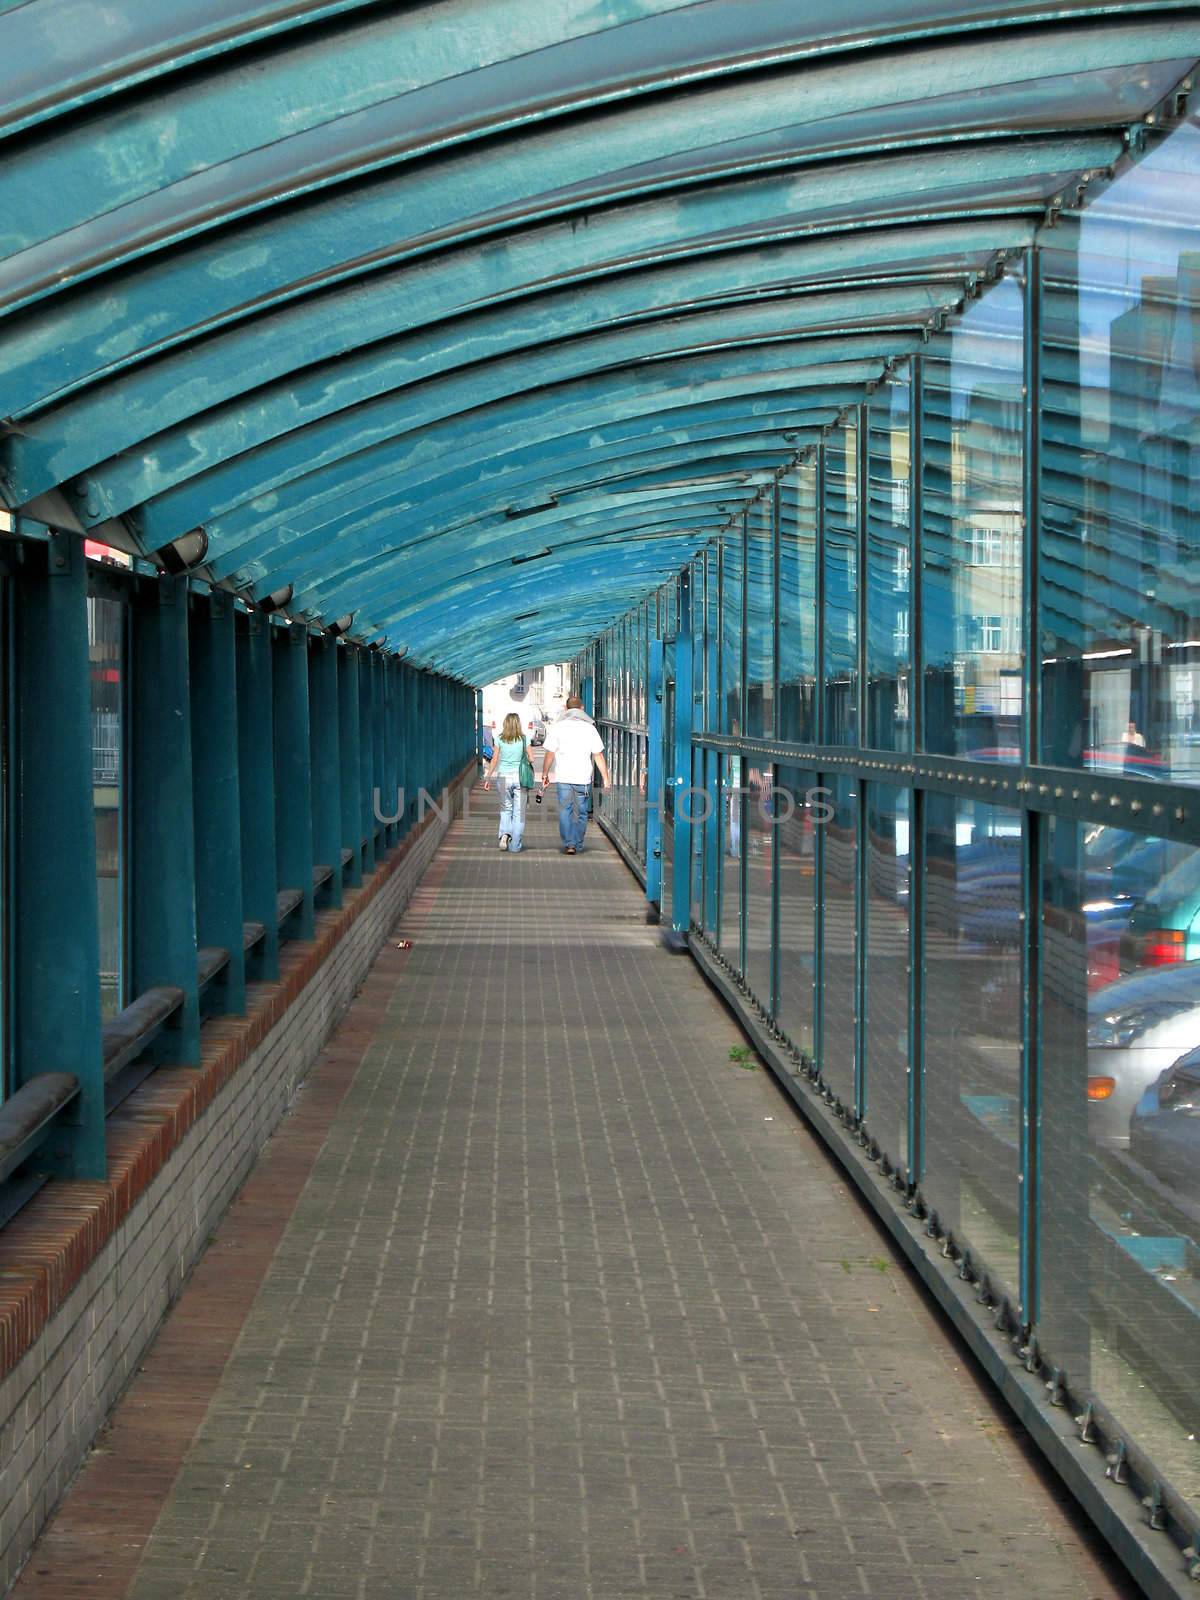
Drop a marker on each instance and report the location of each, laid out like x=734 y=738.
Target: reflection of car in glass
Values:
x=1164 y=927
x=1137 y=1026
x=536 y=729
x=1164 y=1133
x=1120 y=868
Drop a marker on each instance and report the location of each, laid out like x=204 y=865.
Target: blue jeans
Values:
x=572 y=813
x=512 y=809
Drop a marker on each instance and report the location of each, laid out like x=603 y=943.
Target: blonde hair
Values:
x=511 y=731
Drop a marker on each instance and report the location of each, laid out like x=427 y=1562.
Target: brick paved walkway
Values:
x=566 y=1305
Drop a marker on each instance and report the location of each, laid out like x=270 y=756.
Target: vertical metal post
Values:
x=256 y=787
x=681 y=865
x=861 y=934
x=293 y=775
x=820 y=721
x=55 y=976
x=366 y=760
x=1035 y=826
x=916 y=986
x=216 y=796
x=1031 y=392
x=387 y=800
x=350 y=761
x=916 y=821
x=712 y=761
x=324 y=758
x=161 y=833
x=654 y=775
x=743 y=799
x=862 y=715
x=916 y=560
x=776 y=593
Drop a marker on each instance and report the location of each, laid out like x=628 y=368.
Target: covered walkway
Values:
x=539 y=1293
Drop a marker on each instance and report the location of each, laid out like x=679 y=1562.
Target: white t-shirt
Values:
x=574 y=741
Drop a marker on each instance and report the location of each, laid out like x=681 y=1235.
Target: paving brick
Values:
x=568 y=1306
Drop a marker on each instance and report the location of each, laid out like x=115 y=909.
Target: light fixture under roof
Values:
x=342 y=625
x=278 y=598
x=182 y=554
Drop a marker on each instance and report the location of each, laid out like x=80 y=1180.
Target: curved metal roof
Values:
x=478 y=318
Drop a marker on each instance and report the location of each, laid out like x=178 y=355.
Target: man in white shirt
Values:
x=571 y=747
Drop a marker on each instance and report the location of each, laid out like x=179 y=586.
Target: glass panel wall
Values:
x=884 y=932
x=798 y=814
x=889 y=567
x=760 y=872
x=1120 y=602
x=798 y=604
x=891 y=919
x=972 y=577
x=733 y=841
x=732 y=632
x=840 y=557
x=1121 y=1128
x=837 y=981
x=972 y=1082
x=760 y=620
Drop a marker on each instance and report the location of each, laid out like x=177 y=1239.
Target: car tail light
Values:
x=1101 y=1088
x=1162 y=946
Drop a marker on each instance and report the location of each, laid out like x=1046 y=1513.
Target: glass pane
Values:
x=669 y=791
x=1120 y=1294
x=713 y=830
x=1120 y=613
x=885 y=930
x=760 y=621
x=694 y=809
x=732 y=636
x=731 y=873
x=972 y=1083
x=798 y=604
x=889 y=578
x=106 y=659
x=798 y=819
x=972 y=567
x=840 y=547
x=839 y=939
x=759 y=892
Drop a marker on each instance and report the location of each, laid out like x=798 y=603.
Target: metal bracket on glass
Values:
x=1117 y=1465
x=965 y=1270
x=1192 y=1556
x=1156 y=1510
x=983 y=1290
x=1003 y=1320
x=1031 y=1356
x=1056 y=1387
x=1086 y=1423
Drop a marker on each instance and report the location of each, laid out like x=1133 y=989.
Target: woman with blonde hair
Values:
x=508 y=758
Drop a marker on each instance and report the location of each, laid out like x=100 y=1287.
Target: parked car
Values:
x=1164 y=1133
x=1137 y=1027
x=536 y=729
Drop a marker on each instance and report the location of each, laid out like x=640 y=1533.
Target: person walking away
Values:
x=572 y=745
x=505 y=769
